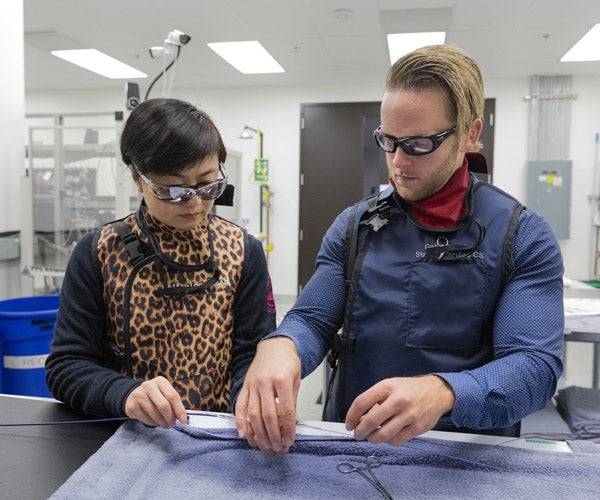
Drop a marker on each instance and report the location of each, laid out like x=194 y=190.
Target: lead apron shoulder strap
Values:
x=116 y=358
x=376 y=216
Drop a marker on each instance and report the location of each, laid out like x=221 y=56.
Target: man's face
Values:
x=407 y=113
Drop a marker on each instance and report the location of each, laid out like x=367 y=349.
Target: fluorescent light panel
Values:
x=100 y=63
x=586 y=49
x=247 y=57
x=400 y=44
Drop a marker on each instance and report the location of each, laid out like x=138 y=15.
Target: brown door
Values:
x=487 y=135
x=339 y=164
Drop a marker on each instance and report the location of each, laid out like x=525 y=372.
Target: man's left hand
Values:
x=396 y=410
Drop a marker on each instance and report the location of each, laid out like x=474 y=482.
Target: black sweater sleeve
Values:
x=76 y=371
x=254 y=312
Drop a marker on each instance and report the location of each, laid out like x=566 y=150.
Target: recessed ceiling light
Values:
x=400 y=44
x=586 y=49
x=247 y=57
x=99 y=62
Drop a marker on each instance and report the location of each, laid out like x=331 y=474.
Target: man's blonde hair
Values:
x=451 y=70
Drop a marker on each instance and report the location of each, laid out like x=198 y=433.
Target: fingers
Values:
x=272 y=416
x=398 y=409
x=363 y=404
x=271 y=429
x=175 y=407
x=256 y=430
x=380 y=426
x=241 y=414
x=155 y=402
x=376 y=423
x=266 y=407
x=288 y=416
x=249 y=423
x=264 y=419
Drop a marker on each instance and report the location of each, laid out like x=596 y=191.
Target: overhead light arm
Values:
x=172 y=44
x=257 y=131
x=265 y=192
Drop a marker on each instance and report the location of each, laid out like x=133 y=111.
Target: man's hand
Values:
x=265 y=413
x=156 y=403
x=396 y=410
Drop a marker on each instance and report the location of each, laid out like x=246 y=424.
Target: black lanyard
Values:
x=208 y=265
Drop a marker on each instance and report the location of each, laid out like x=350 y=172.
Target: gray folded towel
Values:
x=546 y=424
x=189 y=463
x=580 y=408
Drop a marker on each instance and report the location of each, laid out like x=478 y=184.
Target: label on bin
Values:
x=25 y=362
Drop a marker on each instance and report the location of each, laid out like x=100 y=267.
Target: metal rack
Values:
x=74 y=183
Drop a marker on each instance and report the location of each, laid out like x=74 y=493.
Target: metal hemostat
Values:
x=366 y=471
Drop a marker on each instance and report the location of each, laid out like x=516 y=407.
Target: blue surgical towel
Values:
x=191 y=463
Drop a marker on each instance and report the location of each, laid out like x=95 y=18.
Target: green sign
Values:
x=261 y=170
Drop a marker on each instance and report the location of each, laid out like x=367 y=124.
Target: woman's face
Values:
x=183 y=215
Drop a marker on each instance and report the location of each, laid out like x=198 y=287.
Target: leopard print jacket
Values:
x=170 y=312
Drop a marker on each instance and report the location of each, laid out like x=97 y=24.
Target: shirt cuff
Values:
x=468 y=408
x=310 y=356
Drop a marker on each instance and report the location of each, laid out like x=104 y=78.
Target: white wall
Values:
x=276 y=111
x=579 y=249
x=12 y=142
x=512 y=112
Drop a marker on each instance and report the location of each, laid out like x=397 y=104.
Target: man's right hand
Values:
x=265 y=413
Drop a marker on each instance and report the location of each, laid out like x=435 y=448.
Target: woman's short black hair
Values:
x=164 y=136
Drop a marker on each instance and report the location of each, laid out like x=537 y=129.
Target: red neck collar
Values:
x=445 y=207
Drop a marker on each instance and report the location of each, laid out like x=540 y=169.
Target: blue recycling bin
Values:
x=26 y=329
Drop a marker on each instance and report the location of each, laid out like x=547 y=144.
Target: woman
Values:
x=161 y=312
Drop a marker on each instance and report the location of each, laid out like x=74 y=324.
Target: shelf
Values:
x=73 y=153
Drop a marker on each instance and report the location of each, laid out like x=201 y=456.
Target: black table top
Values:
x=36 y=460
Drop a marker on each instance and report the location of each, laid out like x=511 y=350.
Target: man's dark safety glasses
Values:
x=206 y=191
x=415 y=145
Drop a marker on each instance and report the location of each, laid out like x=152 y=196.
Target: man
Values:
x=455 y=312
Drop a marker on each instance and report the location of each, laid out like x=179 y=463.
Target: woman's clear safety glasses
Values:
x=206 y=191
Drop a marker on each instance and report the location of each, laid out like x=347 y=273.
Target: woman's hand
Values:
x=156 y=403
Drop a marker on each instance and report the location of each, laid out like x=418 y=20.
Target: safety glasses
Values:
x=415 y=145
x=206 y=191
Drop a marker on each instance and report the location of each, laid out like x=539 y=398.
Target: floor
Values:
x=578 y=370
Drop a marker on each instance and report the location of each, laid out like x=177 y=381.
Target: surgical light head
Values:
x=177 y=37
x=169 y=50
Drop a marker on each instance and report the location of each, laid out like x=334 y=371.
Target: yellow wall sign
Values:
x=261 y=170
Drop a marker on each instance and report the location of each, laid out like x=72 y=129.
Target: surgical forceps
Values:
x=366 y=471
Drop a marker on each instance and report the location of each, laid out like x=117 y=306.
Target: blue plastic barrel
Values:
x=26 y=329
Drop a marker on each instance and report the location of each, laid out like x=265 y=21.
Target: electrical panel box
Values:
x=549 y=193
